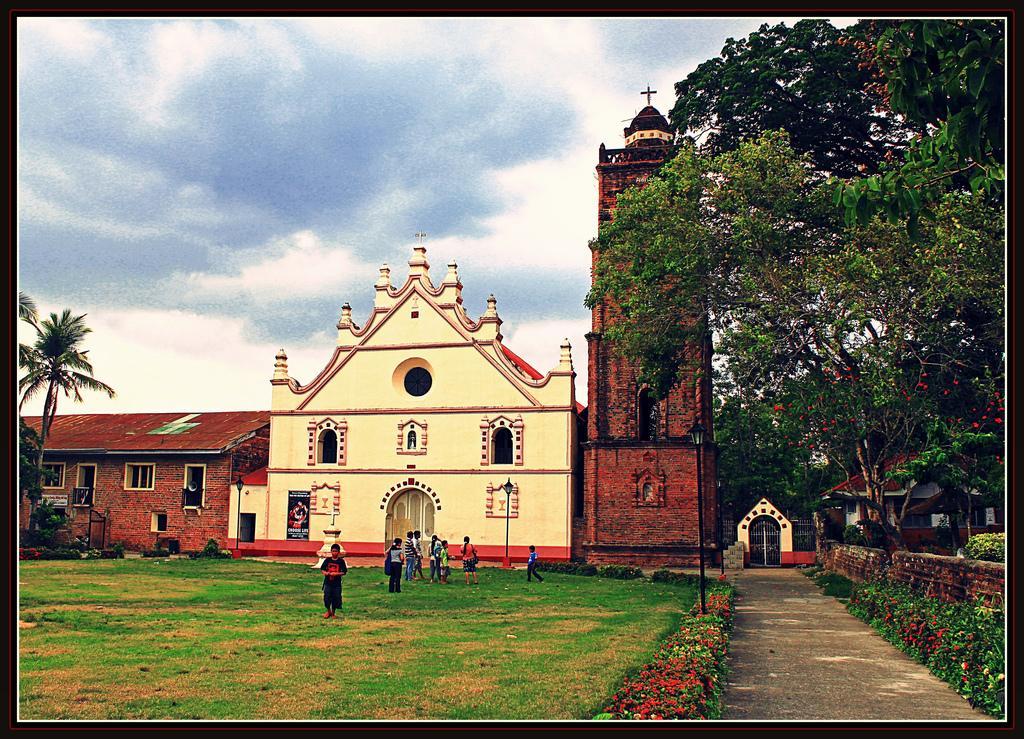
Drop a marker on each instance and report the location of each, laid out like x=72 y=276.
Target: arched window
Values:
x=647 y=416
x=648 y=491
x=327 y=447
x=502 y=452
x=411 y=439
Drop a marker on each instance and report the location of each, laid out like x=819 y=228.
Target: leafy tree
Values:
x=805 y=80
x=856 y=331
x=57 y=364
x=947 y=78
x=46 y=522
x=28 y=463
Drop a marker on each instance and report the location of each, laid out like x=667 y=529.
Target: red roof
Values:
x=580 y=407
x=521 y=363
x=256 y=477
x=856 y=483
x=150 y=431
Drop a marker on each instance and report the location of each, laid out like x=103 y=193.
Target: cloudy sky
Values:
x=210 y=190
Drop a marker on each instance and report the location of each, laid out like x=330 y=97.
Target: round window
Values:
x=417 y=381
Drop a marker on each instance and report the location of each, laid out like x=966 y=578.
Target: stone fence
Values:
x=949 y=578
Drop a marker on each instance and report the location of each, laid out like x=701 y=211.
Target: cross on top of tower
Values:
x=648 y=92
x=420 y=235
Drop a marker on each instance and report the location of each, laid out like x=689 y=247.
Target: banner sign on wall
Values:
x=298 y=514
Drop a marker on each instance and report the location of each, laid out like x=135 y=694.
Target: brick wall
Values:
x=949 y=578
x=857 y=563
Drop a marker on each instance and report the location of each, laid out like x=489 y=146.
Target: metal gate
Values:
x=764 y=542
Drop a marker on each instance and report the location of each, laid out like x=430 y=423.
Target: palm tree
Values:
x=57 y=364
x=28 y=313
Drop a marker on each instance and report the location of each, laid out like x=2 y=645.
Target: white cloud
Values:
x=294 y=268
x=75 y=38
x=179 y=361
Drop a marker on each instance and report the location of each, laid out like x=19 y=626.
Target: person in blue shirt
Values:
x=531 y=566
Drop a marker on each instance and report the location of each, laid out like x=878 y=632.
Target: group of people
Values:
x=408 y=558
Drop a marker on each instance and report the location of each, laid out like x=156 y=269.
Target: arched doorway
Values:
x=410 y=510
x=765 y=549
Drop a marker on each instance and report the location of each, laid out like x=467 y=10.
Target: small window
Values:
x=139 y=476
x=418 y=382
x=159 y=522
x=502 y=446
x=648 y=491
x=411 y=439
x=917 y=521
x=195 y=482
x=53 y=475
x=327 y=453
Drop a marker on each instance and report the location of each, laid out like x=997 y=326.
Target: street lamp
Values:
x=508 y=514
x=238 y=516
x=697 y=437
x=721 y=546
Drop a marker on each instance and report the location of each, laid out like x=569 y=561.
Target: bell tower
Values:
x=640 y=466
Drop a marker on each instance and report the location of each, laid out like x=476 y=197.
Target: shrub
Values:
x=212 y=550
x=61 y=553
x=987 y=547
x=29 y=553
x=620 y=572
x=569 y=568
x=155 y=553
x=684 y=680
x=118 y=550
x=834 y=584
x=854 y=536
x=960 y=642
x=45 y=523
x=678 y=578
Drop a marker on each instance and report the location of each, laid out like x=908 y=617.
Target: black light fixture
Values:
x=508 y=486
x=238 y=515
x=697 y=437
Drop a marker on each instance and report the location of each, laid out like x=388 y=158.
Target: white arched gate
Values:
x=765 y=544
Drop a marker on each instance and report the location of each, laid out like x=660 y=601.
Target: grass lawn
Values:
x=219 y=639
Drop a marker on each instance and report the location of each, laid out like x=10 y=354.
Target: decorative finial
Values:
x=492 y=306
x=453 y=273
x=385 y=276
x=346 y=316
x=648 y=92
x=281 y=365
x=565 y=361
x=420 y=235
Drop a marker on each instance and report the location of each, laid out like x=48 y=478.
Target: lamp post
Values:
x=697 y=437
x=508 y=514
x=238 y=516
x=721 y=547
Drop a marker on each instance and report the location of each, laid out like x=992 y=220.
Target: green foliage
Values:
x=153 y=553
x=211 y=550
x=568 y=568
x=852 y=534
x=859 y=337
x=118 y=549
x=944 y=533
x=620 y=572
x=59 y=553
x=29 y=473
x=946 y=77
x=45 y=523
x=834 y=584
x=962 y=642
x=987 y=547
x=801 y=79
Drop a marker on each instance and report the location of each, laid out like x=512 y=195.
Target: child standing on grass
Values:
x=531 y=566
x=334 y=569
x=419 y=554
x=395 y=569
x=443 y=558
x=435 y=558
x=469 y=559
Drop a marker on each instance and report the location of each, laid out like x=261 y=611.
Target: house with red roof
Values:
x=150 y=479
x=928 y=506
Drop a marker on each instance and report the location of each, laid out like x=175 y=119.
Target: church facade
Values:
x=421 y=416
x=418 y=420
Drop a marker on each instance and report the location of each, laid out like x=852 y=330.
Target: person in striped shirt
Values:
x=410 y=556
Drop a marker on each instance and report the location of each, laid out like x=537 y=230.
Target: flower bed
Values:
x=684 y=680
x=960 y=642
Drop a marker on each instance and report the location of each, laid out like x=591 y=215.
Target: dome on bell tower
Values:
x=649 y=128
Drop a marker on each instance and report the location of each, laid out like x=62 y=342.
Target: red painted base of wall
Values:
x=788 y=559
x=488 y=552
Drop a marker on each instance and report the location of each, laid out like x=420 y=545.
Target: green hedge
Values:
x=987 y=547
x=962 y=642
x=679 y=578
x=155 y=553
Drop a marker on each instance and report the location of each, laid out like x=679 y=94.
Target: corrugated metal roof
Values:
x=150 y=431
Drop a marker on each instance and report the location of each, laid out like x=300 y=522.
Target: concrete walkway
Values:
x=796 y=654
